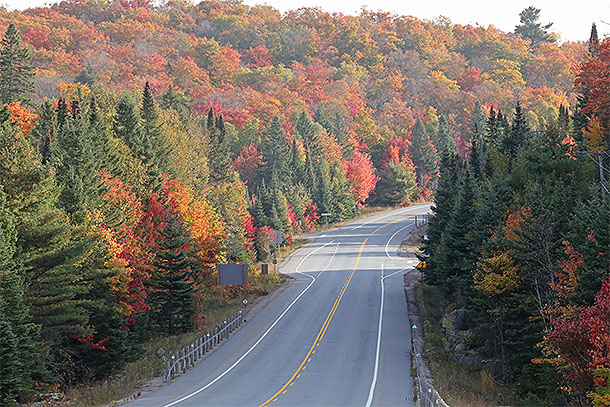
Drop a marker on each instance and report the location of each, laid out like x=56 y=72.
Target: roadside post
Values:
x=325 y=215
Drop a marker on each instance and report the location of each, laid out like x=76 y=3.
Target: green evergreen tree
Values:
x=446 y=141
x=76 y=168
x=151 y=129
x=48 y=250
x=275 y=153
x=19 y=347
x=323 y=196
x=341 y=195
x=457 y=254
x=128 y=126
x=517 y=139
x=219 y=158
x=580 y=119
x=530 y=27
x=296 y=165
x=423 y=153
x=15 y=72
x=478 y=122
x=396 y=185
x=174 y=278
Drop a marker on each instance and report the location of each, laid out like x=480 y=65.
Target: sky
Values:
x=571 y=19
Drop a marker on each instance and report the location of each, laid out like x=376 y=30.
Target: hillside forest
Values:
x=141 y=145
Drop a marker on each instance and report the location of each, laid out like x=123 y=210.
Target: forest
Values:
x=519 y=246
x=141 y=145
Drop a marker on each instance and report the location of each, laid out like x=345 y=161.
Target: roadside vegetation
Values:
x=143 y=143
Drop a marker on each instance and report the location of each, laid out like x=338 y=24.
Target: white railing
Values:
x=188 y=356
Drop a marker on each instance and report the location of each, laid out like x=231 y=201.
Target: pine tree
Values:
x=343 y=199
x=423 y=153
x=457 y=254
x=445 y=138
x=478 y=122
x=297 y=165
x=174 y=278
x=323 y=196
x=76 y=168
x=19 y=349
x=519 y=133
x=275 y=153
x=219 y=158
x=128 y=126
x=47 y=248
x=580 y=120
x=396 y=185
x=160 y=150
x=15 y=72
x=593 y=40
x=530 y=27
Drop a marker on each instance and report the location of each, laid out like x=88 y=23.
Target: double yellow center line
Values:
x=320 y=335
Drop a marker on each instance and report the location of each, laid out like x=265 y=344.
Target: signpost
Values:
x=277 y=240
x=326 y=215
x=264 y=269
x=232 y=274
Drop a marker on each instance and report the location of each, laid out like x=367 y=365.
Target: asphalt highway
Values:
x=339 y=335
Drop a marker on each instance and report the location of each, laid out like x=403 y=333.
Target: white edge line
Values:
x=313 y=280
x=390 y=239
x=330 y=261
x=369 y=401
x=389 y=214
x=376 y=219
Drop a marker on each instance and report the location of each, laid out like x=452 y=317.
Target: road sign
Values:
x=264 y=269
x=232 y=274
x=278 y=238
x=421 y=265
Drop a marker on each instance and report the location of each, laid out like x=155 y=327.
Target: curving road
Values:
x=337 y=336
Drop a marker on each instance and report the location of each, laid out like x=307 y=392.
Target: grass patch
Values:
x=459 y=384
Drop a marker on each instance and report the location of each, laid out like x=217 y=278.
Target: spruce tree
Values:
x=343 y=199
x=219 y=158
x=478 y=122
x=423 y=153
x=128 y=127
x=15 y=72
x=323 y=196
x=48 y=251
x=297 y=165
x=174 y=278
x=396 y=185
x=530 y=27
x=445 y=138
x=519 y=133
x=275 y=153
x=151 y=128
x=76 y=168
x=19 y=348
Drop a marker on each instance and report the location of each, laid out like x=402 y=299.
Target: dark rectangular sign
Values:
x=232 y=274
x=277 y=238
x=264 y=269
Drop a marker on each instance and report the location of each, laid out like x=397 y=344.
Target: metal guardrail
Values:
x=427 y=396
x=186 y=358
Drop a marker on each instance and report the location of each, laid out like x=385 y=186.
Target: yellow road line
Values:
x=320 y=334
x=394 y=221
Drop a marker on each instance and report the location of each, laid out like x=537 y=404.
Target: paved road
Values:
x=321 y=341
